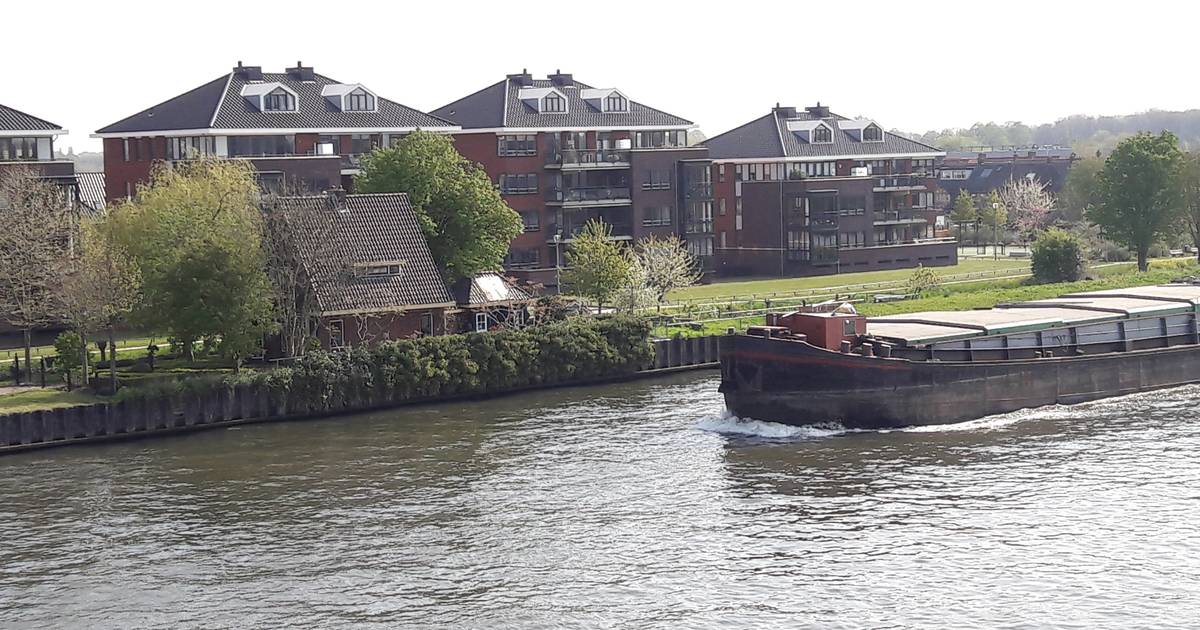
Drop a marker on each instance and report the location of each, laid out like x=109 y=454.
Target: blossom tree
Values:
x=1029 y=205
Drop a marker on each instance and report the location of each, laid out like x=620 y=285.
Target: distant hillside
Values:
x=88 y=161
x=1085 y=134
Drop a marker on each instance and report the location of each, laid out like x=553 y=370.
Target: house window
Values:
x=821 y=135
x=700 y=247
x=660 y=139
x=656 y=216
x=337 y=333
x=553 y=104
x=737 y=216
x=252 y=146
x=481 y=322
x=26 y=149
x=279 y=100
x=531 y=221
x=657 y=179
x=381 y=270
x=516 y=145
x=871 y=133
x=426 y=324
x=723 y=239
x=523 y=258
x=190 y=147
x=362 y=143
x=721 y=204
x=360 y=101
x=721 y=173
x=518 y=184
x=615 y=103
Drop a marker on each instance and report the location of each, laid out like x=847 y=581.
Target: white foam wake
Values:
x=728 y=424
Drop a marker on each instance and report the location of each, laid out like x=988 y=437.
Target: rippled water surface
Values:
x=630 y=506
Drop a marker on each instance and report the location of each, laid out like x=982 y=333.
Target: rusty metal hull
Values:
x=792 y=382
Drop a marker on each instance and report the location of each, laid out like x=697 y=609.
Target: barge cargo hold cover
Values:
x=949 y=366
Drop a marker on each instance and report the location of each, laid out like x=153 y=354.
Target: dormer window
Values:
x=822 y=135
x=872 y=133
x=360 y=101
x=279 y=100
x=382 y=269
x=552 y=103
x=615 y=103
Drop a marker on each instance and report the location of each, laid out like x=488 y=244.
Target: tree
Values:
x=1029 y=205
x=101 y=287
x=1057 y=256
x=922 y=280
x=195 y=234
x=665 y=264
x=596 y=266
x=964 y=211
x=1191 y=199
x=993 y=214
x=71 y=349
x=35 y=238
x=466 y=222
x=1079 y=189
x=1138 y=199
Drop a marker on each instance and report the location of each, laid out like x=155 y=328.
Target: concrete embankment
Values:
x=131 y=419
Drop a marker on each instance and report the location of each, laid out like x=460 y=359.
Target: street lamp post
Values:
x=557 y=264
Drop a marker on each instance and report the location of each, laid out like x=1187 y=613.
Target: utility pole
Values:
x=557 y=263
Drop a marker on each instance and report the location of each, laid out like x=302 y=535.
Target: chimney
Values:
x=524 y=79
x=561 y=80
x=818 y=110
x=301 y=73
x=248 y=73
x=788 y=112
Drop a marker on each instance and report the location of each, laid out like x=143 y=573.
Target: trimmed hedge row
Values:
x=576 y=350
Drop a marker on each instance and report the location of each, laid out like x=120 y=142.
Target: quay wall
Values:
x=244 y=404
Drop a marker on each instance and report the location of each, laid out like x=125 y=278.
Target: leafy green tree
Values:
x=1057 y=257
x=1079 y=190
x=195 y=235
x=70 y=348
x=994 y=215
x=922 y=280
x=1191 y=199
x=466 y=222
x=1138 y=199
x=964 y=211
x=597 y=268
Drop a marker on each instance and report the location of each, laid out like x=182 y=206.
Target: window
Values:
x=657 y=179
x=380 y=270
x=516 y=145
x=700 y=218
x=26 y=149
x=660 y=139
x=481 y=322
x=700 y=247
x=721 y=173
x=737 y=216
x=878 y=167
x=553 y=104
x=852 y=205
x=518 y=184
x=848 y=327
x=362 y=143
x=722 y=206
x=723 y=239
x=656 y=215
x=329 y=145
x=190 y=147
x=872 y=133
x=797 y=245
x=426 y=324
x=253 y=146
x=813 y=169
x=279 y=100
x=360 y=101
x=531 y=221
x=337 y=333
x=395 y=138
x=615 y=103
x=523 y=258
x=821 y=135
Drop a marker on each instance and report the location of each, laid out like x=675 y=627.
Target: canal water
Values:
x=637 y=505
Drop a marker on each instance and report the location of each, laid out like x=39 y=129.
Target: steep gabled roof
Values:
x=499 y=105
x=487 y=289
x=219 y=104
x=770 y=137
x=369 y=229
x=14 y=120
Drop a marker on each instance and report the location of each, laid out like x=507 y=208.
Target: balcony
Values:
x=901 y=182
x=621 y=230
x=700 y=191
x=896 y=217
x=579 y=159
x=824 y=225
x=698 y=226
x=589 y=196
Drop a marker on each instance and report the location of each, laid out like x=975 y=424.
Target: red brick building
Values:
x=301 y=130
x=563 y=152
x=810 y=192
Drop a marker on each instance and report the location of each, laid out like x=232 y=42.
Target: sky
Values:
x=913 y=66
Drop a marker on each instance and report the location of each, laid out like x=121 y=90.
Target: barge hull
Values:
x=792 y=382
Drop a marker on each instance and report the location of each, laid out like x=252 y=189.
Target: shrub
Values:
x=1057 y=257
x=922 y=280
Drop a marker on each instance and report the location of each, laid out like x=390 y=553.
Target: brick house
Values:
x=809 y=192
x=562 y=152
x=301 y=130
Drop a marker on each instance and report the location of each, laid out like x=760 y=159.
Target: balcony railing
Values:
x=617 y=194
x=656 y=185
x=700 y=191
x=824 y=225
x=584 y=158
x=700 y=226
x=571 y=229
x=896 y=216
x=900 y=182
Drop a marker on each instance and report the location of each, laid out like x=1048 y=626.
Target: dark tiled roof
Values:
x=195 y=110
x=488 y=288
x=91 y=189
x=376 y=228
x=769 y=137
x=13 y=120
x=496 y=106
x=988 y=177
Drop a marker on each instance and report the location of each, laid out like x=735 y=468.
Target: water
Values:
x=628 y=506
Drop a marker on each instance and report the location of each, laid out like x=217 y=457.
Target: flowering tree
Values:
x=663 y=265
x=1029 y=205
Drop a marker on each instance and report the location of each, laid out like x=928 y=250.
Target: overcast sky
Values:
x=909 y=65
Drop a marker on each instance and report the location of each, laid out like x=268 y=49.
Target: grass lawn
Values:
x=35 y=399
x=747 y=288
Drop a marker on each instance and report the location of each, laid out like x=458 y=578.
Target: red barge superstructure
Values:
x=950 y=366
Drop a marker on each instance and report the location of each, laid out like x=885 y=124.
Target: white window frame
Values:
x=481 y=322
x=341 y=333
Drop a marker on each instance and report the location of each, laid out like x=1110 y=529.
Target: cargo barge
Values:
x=950 y=366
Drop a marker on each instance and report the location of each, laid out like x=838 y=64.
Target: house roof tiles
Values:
x=769 y=137
x=15 y=120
